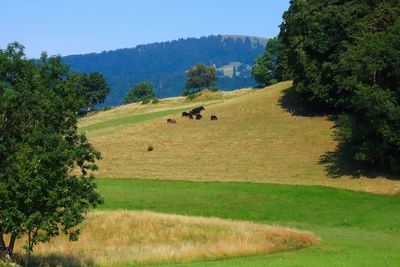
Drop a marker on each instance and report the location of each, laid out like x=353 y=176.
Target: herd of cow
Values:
x=193 y=114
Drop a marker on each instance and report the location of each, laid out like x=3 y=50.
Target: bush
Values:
x=146 y=101
x=150 y=148
x=155 y=101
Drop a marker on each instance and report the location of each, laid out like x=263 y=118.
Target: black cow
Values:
x=197 y=110
x=185 y=114
x=198 y=117
x=214 y=118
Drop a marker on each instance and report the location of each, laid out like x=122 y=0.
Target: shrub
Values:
x=150 y=148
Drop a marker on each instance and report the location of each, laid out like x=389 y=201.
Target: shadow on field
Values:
x=340 y=163
x=291 y=102
x=53 y=260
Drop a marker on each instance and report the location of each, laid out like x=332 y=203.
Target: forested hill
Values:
x=164 y=64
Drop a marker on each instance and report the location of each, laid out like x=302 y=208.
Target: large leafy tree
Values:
x=93 y=88
x=344 y=54
x=46 y=165
x=271 y=66
x=140 y=92
x=200 y=77
x=371 y=70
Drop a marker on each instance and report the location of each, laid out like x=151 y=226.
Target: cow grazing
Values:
x=214 y=118
x=198 y=117
x=197 y=110
x=171 y=121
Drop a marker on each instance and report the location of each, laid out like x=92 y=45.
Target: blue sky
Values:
x=83 y=26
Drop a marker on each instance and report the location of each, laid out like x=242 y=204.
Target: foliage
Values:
x=141 y=92
x=155 y=101
x=270 y=67
x=46 y=181
x=346 y=55
x=93 y=88
x=164 y=64
x=200 y=77
x=150 y=148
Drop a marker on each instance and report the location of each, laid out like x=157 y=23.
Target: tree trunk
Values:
x=8 y=251
x=2 y=246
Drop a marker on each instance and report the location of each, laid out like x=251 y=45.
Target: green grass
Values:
x=130 y=120
x=357 y=229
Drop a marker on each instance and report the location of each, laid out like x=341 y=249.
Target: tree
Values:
x=46 y=166
x=371 y=72
x=93 y=88
x=345 y=55
x=140 y=92
x=200 y=77
x=270 y=67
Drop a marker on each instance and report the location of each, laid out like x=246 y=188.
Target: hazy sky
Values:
x=81 y=26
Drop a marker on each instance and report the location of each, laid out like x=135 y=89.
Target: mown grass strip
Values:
x=356 y=228
x=130 y=120
x=256 y=202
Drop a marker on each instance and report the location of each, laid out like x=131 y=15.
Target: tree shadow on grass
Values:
x=53 y=260
x=291 y=102
x=340 y=163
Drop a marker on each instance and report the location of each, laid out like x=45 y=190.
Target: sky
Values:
x=69 y=27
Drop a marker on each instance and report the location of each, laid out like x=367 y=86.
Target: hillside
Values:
x=256 y=139
x=164 y=64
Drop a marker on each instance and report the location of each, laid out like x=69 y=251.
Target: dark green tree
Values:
x=93 y=88
x=141 y=92
x=46 y=165
x=200 y=77
x=371 y=70
x=345 y=55
x=271 y=67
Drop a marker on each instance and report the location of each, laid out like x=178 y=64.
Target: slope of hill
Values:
x=256 y=139
x=164 y=64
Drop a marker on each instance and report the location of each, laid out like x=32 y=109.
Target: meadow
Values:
x=264 y=163
x=356 y=228
x=261 y=136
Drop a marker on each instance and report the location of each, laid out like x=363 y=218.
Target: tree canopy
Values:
x=271 y=66
x=93 y=88
x=200 y=77
x=140 y=92
x=346 y=55
x=46 y=180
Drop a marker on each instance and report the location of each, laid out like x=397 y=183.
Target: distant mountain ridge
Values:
x=164 y=64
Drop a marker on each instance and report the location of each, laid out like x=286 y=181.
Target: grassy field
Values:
x=147 y=237
x=356 y=228
x=261 y=162
x=261 y=136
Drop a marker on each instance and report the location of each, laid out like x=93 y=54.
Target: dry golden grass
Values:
x=254 y=140
x=147 y=237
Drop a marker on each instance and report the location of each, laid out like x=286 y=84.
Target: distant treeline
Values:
x=164 y=64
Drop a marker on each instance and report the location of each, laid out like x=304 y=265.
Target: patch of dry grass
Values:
x=255 y=139
x=112 y=238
